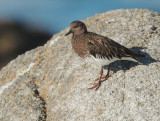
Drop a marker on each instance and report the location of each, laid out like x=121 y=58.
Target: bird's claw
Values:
x=96 y=85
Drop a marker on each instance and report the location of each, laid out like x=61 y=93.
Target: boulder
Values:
x=50 y=83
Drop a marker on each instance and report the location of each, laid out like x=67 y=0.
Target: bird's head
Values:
x=77 y=28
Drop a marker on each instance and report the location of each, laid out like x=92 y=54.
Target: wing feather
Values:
x=107 y=48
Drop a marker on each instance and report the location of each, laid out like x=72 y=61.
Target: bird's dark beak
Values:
x=70 y=31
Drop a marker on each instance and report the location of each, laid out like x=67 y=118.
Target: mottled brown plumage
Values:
x=102 y=49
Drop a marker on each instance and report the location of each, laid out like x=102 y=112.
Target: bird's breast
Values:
x=80 y=47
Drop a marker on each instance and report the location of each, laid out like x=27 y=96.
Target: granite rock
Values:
x=50 y=83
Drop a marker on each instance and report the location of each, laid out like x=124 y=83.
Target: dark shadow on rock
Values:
x=16 y=38
x=126 y=65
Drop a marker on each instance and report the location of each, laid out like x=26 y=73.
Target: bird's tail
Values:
x=134 y=54
x=138 y=55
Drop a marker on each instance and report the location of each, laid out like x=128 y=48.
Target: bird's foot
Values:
x=96 y=85
x=103 y=76
x=100 y=80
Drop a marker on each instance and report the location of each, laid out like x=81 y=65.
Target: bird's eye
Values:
x=76 y=26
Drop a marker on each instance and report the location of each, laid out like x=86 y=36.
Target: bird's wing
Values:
x=103 y=47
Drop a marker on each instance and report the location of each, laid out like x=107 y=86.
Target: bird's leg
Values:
x=107 y=76
x=98 y=84
x=101 y=75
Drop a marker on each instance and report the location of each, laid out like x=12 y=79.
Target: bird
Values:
x=102 y=50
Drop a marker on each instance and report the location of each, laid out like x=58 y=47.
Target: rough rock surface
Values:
x=50 y=82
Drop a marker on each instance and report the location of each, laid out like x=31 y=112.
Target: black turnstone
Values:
x=100 y=48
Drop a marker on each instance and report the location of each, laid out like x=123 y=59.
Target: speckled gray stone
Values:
x=51 y=82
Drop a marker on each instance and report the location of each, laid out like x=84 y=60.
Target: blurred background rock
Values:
x=16 y=38
x=26 y=24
